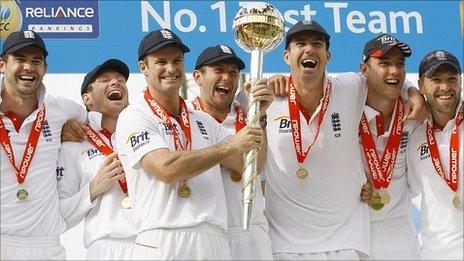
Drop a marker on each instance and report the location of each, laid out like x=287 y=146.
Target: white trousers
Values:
x=394 y=239
x=253 y=244
x=200 y=242
x=344 y=254
x=31 y=248
x=111 y=249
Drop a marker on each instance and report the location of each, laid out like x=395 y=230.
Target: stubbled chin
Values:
x=222 y=100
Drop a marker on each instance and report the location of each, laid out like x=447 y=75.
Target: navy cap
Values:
x=21 y=39
x=306 y=26
x=111 y=64
x=381 y=44
x=218 y=53
x=158 y=39
x=433 y=60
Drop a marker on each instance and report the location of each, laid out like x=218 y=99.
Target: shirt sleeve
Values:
x=413 y=177
x=404 y=91
x=138 y=133
x=73 y=186
x=357 y=82
x=72 y=110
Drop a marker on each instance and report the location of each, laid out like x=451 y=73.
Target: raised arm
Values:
x=172 y=166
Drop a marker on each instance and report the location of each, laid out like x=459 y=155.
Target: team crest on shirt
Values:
x=284 y=123
x=202 y=130
x=336 y=124
x=91 y=153
x=46 y=131
x=404 y=141
x=424 y=151
x=138 y=139
x=59 y=173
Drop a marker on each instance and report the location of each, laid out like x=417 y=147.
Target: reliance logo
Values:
x=59 y=12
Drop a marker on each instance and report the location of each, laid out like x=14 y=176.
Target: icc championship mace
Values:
x=259 y=28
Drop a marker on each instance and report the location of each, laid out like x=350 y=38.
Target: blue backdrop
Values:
x=87 y=32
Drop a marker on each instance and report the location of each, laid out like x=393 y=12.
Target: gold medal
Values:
x=22 y=194
x=235 y=176
x=385 y=197
x=184 y=191
x=126 y=203
x=457 y=202
x=376 y=202
x=301 y=173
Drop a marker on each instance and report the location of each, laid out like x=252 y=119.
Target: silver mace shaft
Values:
x=251 y=173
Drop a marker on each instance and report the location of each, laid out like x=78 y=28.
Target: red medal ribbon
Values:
x=240 y=121
x=184 y=122
x=94 y=138
x=31 y=145
x=379 y=122
x=452 y=179
x=294 y=109
x=381 y=170
x=198 y=104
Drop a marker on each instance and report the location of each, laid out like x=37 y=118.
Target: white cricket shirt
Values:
x=399 y=191
x=441 y=222
x=38 y=215
x=233 y=190
x=322 y=212
x=78 y=164
x=157 y=204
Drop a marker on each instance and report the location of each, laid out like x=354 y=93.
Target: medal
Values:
x=453 y=177
x=376 y=202
x=240 y=122
x=184 y=191
x=28 y=155
x=22 y=194
x=184 y=122
x=235 y=176
x=381 y=168
x=294 y=109
x=126 y=203
x=385 y=197
x=301 y=173
x=457 y=202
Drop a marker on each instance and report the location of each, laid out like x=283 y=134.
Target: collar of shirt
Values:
x=371 y=115
x=95 y=119
x=232 y=115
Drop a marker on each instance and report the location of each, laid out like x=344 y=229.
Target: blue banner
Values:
x=81 y=34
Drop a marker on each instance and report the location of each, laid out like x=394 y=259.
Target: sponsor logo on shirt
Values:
x=59 y=173
x=138 y=139
x=284 y=123
x=202 y=129
x=168 y=129
x=336 y=124
x=91 y=153
x=46 y=132
x=424 y=151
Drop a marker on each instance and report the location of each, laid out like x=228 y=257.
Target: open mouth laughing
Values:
x=309 y=63
x=114 y=95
